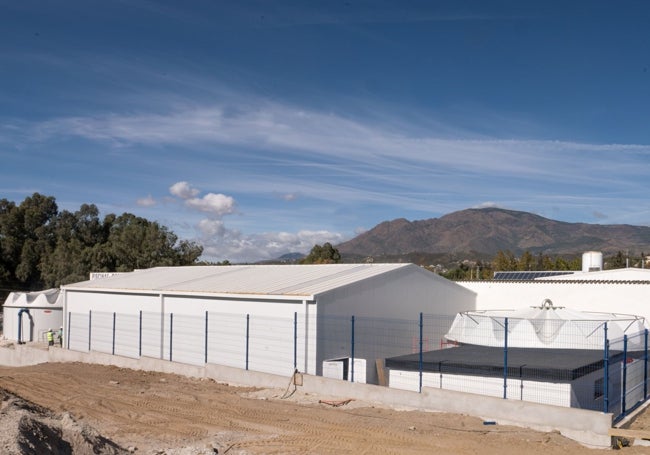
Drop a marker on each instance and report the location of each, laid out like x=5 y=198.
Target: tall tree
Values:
x=26 y=231
x=526 y=261
x=40 y=247
x=325 y=254
x=137 y=243
x=504 y=260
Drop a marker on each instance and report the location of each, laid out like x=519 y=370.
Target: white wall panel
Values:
x=151 y=335
x=197 y=306
x=628 y=298
x=127 y=335
x=79 y=333
x=101 y=332
x=227 y=339
x=82 y=302
x=188 y=339
x=558 y=394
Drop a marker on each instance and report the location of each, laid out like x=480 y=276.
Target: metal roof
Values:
x=625 y=274
x=271 y=280
x=42 y=299
x=537 y=364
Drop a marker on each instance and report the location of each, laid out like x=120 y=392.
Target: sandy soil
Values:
x=118 y=410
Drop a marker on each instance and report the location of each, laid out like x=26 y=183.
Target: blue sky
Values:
x=262 y=128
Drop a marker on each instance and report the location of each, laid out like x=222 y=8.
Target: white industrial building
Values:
x=27 y=316
x=262 y=317
x=609 y=291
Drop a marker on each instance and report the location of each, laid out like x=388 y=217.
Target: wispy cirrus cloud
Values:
x=367 y=148
x=342 y=163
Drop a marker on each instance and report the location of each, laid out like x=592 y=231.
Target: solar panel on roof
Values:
x=530 y=275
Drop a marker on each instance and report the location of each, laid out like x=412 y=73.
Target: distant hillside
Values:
x=483 y=232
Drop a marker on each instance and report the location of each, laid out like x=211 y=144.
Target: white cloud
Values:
x=387 y=150
x=146 y=201
x=211 y=228
x=345 y=164
x=220 y=243
x=183 y=190
x=290 y=196
x=215 y=204
x=487 y=204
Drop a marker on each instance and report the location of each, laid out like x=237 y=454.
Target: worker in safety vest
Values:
x=60 y=336
x=50 y=337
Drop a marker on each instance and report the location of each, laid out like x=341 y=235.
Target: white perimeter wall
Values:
x=612 y=297
x=558 y=394
x=580 y=393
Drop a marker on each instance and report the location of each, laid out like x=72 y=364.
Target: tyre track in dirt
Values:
x=153 y=410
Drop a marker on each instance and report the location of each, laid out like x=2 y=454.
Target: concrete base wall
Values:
x=589 y=428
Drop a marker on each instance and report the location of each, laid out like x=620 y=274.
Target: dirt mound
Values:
x=26 y=428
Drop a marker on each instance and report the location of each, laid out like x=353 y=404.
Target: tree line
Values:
x=507 y=261
x=42 y=247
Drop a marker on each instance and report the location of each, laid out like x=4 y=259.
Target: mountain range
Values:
x=481 y=233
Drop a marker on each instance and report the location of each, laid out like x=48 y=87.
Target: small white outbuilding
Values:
x=263 y=317
x=27 y=316
x=543 y=354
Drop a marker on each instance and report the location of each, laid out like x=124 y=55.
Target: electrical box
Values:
x=341 y=368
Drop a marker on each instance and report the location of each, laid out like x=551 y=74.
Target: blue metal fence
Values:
x=616 y=381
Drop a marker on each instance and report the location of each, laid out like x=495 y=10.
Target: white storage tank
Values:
x=592 y=261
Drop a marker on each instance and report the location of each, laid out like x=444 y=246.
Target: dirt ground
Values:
x=110 y=410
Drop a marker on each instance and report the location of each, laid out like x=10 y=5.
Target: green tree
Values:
x=548 y=263
x=40 y=247
x=25 y=233
x=76 y=236
x=504 y=261
x=136 y=243
x=618 y=261
x=325 y=254
x=526 y=261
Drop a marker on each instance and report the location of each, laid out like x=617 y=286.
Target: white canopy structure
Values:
x=548 y=326
x=29 y=315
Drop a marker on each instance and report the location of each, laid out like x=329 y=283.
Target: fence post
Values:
x=420 y=363
x=295 y=340
x=623 y=407
x=113 y=347
x=206 y=338
x=90 y=327
x=140 y=336
x=248 y=316
x=606 y=373
x=645 y=365
x=505 y=359
x=67 y=332
x=171 y=334
x=352 y=352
